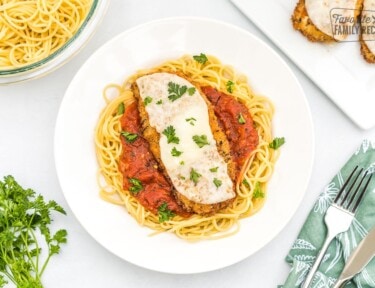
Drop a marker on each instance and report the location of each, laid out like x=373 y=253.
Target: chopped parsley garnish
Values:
x=240 y=119
x=129 y=137
x=194 y=176
x=217 y=182
x=191 y=91
x=136 y=185
x=202 y=58
x=230 y=86
x=181 y=177
x=200 y=140
x=182 y=162
x=246 y=183
x=176 y=91
x=258 y=193
x=191 y=120
x=147 y=100
x=175 y=152
x=164 y=213
x=121 y=108
x=214 y=169
x=277 y=142
x=170 y=132
x=159 y=102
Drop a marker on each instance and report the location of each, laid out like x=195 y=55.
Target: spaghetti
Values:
x=254 y=174
x=32 y=30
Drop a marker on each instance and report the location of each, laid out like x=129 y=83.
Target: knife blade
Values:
x=359 y=258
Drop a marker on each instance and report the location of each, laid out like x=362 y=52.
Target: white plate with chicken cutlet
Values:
x=329 y=43
x=182 y=150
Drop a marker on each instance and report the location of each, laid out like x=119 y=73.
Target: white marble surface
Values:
x=27 y=117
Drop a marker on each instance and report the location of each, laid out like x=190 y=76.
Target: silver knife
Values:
x=359 y=258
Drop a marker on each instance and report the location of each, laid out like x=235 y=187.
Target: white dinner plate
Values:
x=338 y=69
x=146 y=46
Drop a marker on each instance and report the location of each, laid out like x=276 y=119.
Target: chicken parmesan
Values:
x=186 y=147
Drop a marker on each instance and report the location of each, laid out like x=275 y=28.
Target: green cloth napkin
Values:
x=311 y=237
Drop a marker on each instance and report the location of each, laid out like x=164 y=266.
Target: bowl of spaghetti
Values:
x=37 y=37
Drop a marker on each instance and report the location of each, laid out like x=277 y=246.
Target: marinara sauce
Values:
x=237 y=124
x=137 y=162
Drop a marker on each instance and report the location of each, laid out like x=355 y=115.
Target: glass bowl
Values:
x=62 y=55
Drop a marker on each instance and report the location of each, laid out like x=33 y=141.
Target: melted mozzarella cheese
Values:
x=368 y=35
x=175 y=113
x=320 y=11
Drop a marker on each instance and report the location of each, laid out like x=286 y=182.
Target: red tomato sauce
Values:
x=138 y=162
x=242 y=137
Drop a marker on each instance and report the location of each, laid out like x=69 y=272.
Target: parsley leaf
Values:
x=136 y=185
x=214 y=169
x=191 y=121
x=194 y=176
x=258 y=193
x=176 y=91
x=129 y=137
x=230 y=86
x=164 y=213
x=200 y=140
x=202 y=58
x=240 y=119
x=191 y=91
x=217 y=182
x=182 y=162
x=277 y=142
x=25 y=228
x=147 y=100
x=159 y=102
x=170 y=132
x=246 y=183
x=121 y=108
x=175 y=152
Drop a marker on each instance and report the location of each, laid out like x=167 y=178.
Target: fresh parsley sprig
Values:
x=277 y=143
x=25 y=234
x=258 y=193
x=170 y=133
x=129 y=137
x=175 y=152
x=202 y=58
x=194 y=176
x=200 y=140
x=230 y=86
x=164 y=213
x=176 y=91
x=136 y=185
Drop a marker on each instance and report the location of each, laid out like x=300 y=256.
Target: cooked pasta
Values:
x=254 y=174
x=33 y=30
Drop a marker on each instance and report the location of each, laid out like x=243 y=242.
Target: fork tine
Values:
x=345 y=184
x=362 y=194
x=354 y=194
x=349 y=191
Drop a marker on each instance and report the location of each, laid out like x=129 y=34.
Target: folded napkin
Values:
x=312 y=235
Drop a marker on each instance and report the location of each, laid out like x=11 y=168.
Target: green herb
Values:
x=214 y=169
x=182 y=162
x=277 y=142
x=121 y=108
x=25 y=233
x=246 y=183
x=194 y=176
x=181 y=177
x=147 y=100
x=176 y=91
x=191 y=91
x=191 y=121
x=200 y=140
x=230 y=86
x=159 y=102
x=170 y=132
x=164 y=213
x=217 y=182
x=202 y=58
x=129 y=137
x=136 y=185
x=240 y=119
x=175 y=152
x=258 y=193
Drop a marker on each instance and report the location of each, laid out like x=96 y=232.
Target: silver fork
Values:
x=340 y=215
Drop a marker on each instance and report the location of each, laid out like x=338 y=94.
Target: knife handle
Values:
x=340 y=283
